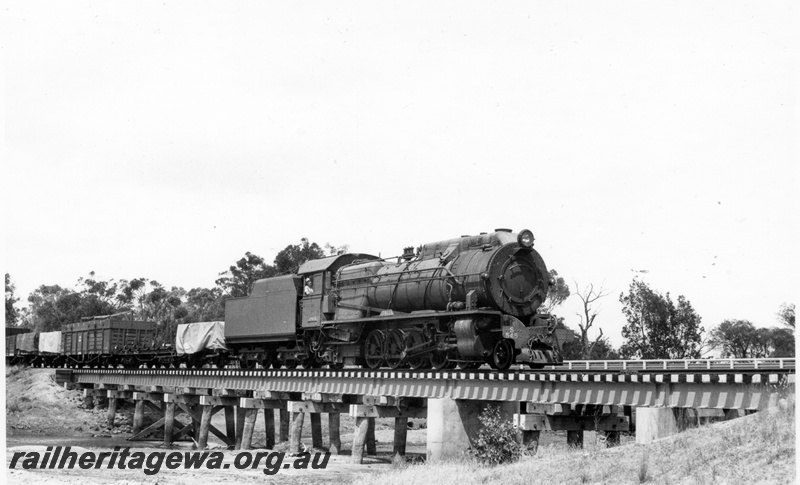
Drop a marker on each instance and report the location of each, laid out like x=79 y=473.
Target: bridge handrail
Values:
x=681 y=364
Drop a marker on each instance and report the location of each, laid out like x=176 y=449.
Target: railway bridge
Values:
x=608 y=396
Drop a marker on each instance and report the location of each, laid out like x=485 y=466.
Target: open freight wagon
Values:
x=110 y=340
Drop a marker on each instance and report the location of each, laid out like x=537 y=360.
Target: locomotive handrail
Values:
x=418 y=280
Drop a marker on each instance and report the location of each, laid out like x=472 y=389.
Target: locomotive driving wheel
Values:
x=440 y=360
x=373 y=349
x=393 y=348
x=414 y=338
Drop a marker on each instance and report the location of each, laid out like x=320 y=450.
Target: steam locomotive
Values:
x=458 y=302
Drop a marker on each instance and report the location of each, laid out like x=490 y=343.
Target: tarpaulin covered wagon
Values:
x=201 y=343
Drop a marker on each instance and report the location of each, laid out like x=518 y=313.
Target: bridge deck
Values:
x=752 y=389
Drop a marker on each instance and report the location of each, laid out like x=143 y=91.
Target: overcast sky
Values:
x=165 y=139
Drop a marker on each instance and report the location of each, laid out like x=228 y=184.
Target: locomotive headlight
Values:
x=525 y=238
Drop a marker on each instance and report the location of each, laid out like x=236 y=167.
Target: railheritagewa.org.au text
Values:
x=151 y=463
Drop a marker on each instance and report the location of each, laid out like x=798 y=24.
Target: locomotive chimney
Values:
x=408 y=253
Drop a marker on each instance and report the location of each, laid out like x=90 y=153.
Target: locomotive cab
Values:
x=318 y=304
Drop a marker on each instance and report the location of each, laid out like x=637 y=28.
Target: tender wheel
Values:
x=414 y=338
x=393 y=348
x=503 y=354
x=291 y=364
x=373 y=349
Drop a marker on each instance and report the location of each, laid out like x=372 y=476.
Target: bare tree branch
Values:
x=588 y=296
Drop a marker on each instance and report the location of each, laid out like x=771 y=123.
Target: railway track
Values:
x=698 y=366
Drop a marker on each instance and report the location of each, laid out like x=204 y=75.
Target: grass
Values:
x=759 y=448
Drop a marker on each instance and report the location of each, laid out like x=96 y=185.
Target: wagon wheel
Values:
x=311 y=363
x=414 y=338
x=393 y=347
x=373 y=349
x=270 y=360
x=503 y=354
x=220 y=360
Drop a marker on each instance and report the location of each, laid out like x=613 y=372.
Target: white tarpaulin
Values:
x=25 y=342
x=194 y=337
x=50 y=342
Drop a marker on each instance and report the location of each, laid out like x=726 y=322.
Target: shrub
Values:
x=497 y=440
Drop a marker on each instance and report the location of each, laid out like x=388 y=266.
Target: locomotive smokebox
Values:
x=510 y=276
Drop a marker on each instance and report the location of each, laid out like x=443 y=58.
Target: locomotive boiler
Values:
x=458 y=302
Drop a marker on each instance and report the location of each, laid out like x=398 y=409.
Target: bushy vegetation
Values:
x=497 y=441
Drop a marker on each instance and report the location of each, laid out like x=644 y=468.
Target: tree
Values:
x=735 y=338
x=292 y=256
x=239 y=279
x=52 y=306
x=588 y=296
x=786 y=315
x=571 y=345
x=204 y=305
x=782 y=342
x=603 y=350
x=657 y=328
x=558 y=292
x=11 y=313
x=131 y=294
x=773 y=342
x=569 y=340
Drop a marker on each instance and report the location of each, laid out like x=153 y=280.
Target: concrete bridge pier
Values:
x=453 y=423
x=655 y=423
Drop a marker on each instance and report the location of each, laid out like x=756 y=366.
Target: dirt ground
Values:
x=41 y=414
